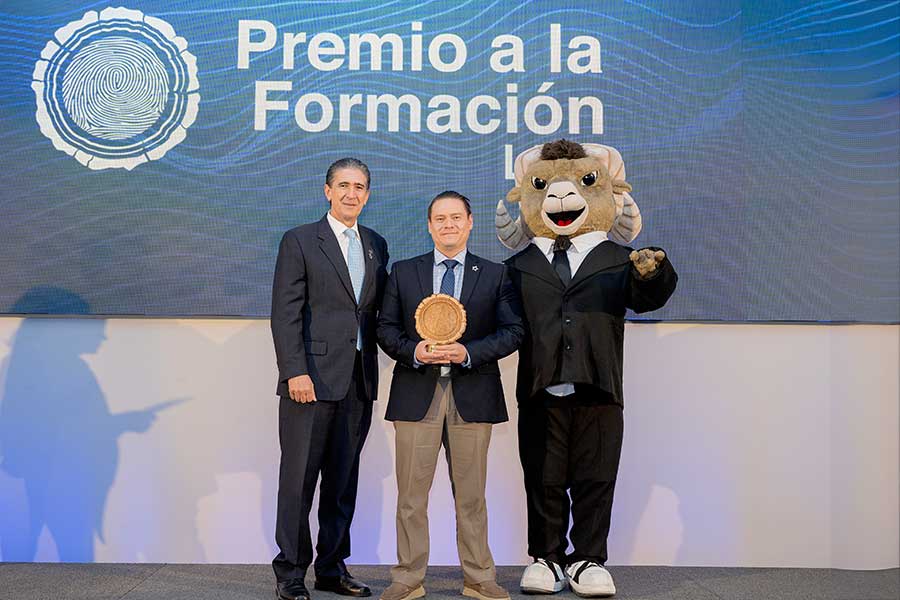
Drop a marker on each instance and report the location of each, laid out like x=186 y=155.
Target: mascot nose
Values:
x=561 y=189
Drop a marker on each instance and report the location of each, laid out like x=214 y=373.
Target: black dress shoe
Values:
x=292 y=589
x=344 y=585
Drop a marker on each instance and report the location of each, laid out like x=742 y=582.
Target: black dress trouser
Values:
x=316 y=437
x=570 y=445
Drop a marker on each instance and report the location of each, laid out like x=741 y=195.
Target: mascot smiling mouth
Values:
x=564 y=208
x=566 y=217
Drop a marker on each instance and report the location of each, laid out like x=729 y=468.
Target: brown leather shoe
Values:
x=486 y=590
x=400 y=591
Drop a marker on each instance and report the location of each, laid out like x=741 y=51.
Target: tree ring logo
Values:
x=116 y=89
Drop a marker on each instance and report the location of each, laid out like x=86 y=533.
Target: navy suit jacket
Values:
x=494 y=329
x=315 y=316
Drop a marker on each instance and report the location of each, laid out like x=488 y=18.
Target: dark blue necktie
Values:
x=561 y=259
x=448 y=283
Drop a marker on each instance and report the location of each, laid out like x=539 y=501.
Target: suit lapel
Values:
x=533 y=261
x=329 y=245
x=471 y=271
x=604 y=256
x=371 y=261
x=425 y=268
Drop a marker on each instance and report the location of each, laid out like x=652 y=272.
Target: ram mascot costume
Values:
x=576 y=278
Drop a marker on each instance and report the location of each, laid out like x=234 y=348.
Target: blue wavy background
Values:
x=762 y=140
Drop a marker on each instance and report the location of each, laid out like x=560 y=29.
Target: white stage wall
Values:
x=746 y=445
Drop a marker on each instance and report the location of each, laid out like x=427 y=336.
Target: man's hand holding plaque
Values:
x=441 y=321
x=440 y=354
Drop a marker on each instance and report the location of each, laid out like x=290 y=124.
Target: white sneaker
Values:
x=590 y=580
x=542 y=577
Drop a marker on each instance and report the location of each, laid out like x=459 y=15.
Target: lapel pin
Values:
x=474 y=267
x=371 y=254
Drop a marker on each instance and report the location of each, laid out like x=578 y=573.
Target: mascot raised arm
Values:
x=576 y=278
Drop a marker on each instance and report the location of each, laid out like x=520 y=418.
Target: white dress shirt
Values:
x=459 y=271
x=577 y=252
x=343 y=241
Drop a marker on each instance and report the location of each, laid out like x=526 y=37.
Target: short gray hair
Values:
x=347 y=163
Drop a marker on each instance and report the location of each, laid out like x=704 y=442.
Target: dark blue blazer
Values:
x=494 y=329
x=315 y=316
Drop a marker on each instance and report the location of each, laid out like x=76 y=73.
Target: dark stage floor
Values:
x=39 y=581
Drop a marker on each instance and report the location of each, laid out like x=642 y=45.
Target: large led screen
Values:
x=153 y=153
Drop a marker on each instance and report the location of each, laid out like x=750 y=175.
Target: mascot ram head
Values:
x=565 y=188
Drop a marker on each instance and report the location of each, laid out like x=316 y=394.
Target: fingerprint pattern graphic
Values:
x=116 y=89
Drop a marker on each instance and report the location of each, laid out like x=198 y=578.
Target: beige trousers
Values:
x=465 y=446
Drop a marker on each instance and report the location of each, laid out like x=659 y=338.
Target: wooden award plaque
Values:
x=441 y=318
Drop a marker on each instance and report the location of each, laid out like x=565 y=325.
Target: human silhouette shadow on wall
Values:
x=57 y=434
x=674 y=467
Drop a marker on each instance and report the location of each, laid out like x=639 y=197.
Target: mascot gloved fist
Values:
x=576 y=278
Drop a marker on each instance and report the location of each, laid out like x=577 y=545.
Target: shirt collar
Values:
x=580 y=243
x=439 y=257
x=339 y=228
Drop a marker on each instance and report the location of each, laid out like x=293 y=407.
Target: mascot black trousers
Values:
x=570 y=445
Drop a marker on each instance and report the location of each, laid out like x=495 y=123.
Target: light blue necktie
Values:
x=448 y=283
x=357 y=268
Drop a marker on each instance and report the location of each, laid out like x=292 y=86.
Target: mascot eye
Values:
x=538 y=183
x=589 y=179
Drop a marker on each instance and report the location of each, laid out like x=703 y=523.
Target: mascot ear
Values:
x=620 y=186
x=515 y=194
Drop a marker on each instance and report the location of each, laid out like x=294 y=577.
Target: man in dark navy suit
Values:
x=447 y=395
x=329 y=280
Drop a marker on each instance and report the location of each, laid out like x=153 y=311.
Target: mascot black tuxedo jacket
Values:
x=320 y=339
x=493 y=330
x=574 y=333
